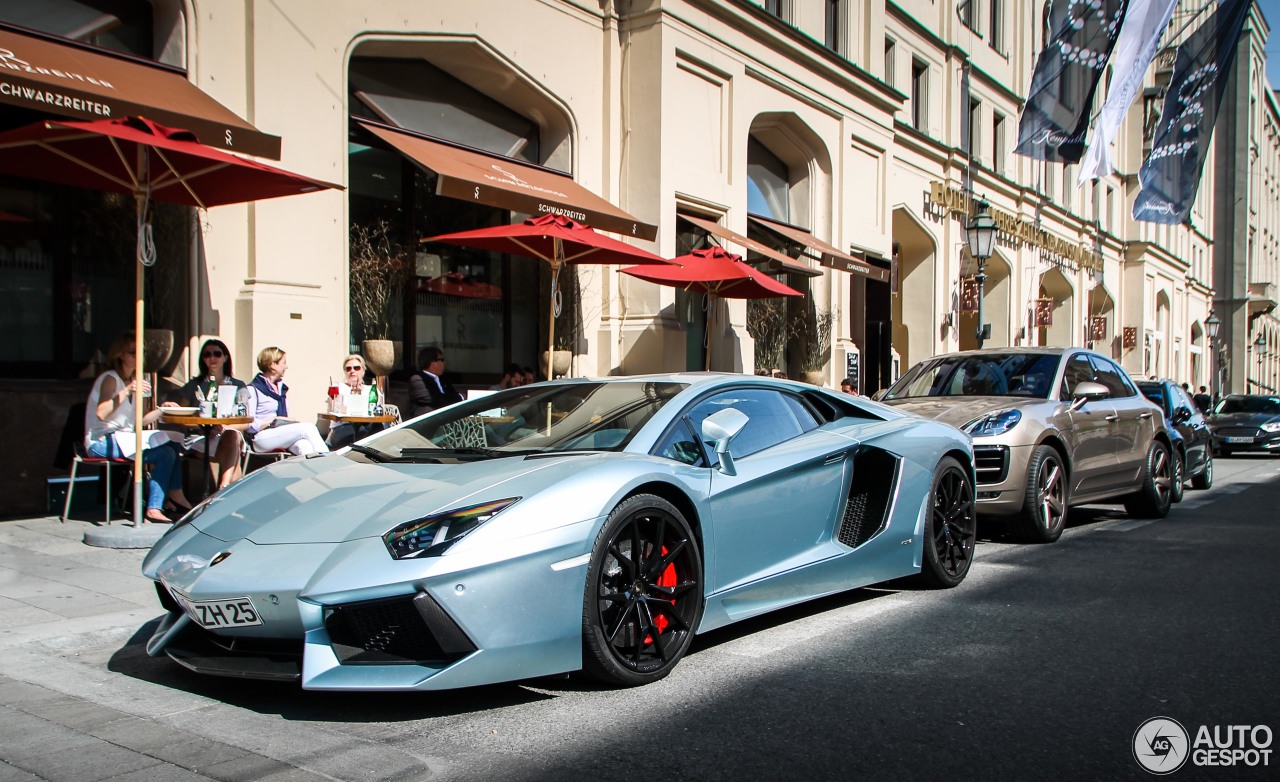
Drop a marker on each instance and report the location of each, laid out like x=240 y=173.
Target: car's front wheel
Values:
x=1179 y=477
x=1044 y=509
x=644 y=594
x=1153 y=499
x=1205 y=479
x=951 y=528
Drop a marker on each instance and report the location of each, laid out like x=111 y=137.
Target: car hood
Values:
x=333 y=499
x=960 y=410
x=1242 y=419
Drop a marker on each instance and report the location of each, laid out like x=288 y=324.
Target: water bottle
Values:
x=212 y=396
x=373 y=399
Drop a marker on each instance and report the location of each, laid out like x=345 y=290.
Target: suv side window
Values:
x=1078 y=371
x=1181 y=400
x=1114 y=378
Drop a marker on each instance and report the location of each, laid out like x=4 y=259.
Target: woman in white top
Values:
x=271 y=430
x=109 y=430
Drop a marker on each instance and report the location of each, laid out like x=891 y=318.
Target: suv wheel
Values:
x=1153 y=499
x=1044 y=509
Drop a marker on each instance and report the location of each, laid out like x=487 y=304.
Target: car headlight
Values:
x=993 y=424
x=1271 y=426
x=431 y=535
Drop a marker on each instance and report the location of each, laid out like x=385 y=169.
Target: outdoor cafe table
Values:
x=358 y=419
x=206 y=428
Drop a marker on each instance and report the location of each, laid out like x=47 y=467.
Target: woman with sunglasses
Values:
x=108 y=429
x=353 y=377
x=227 y=442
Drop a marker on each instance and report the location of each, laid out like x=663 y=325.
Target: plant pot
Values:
x=814 y=377
x=157 y=349
x=379 y=356
x=561 y=361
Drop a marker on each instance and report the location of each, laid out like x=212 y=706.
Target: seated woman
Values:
x=270 y=430
x=109 y=431
x=226 y=443
x=345 y=433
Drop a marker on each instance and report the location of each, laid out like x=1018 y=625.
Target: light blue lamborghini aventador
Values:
x=590 y=525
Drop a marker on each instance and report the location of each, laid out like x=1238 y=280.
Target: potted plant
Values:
x=767 y=323
x=378 y=273
x=817 y=345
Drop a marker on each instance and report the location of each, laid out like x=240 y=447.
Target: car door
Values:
x=1093 y=453
x=1192 y=427
x=1134 y=425
x=777 y=511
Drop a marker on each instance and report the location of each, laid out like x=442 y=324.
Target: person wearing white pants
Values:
x=271 y=430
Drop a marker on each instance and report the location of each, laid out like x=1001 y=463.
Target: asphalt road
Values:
x=1042 y=664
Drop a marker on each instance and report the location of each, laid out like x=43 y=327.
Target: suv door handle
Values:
x=1144 y=415
x=1113 y=417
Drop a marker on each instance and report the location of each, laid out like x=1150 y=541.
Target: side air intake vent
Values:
x=875 y=479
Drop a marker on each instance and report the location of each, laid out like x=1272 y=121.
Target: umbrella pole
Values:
x=139 y=354
x=711 y=328
x=556 y=261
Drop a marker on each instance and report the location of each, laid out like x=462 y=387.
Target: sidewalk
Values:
x=71 y=618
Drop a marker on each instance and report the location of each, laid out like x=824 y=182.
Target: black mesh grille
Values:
x=875 y=476
x=406 y=629
x=991 y=463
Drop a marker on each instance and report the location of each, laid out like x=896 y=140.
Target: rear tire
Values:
x=643 y=597
x=1152 y=501
x=952 y=526
x=1044 y=509
x=1205 y=479
x=1177 y=486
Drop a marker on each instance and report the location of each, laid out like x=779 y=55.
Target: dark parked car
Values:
x=1189 y=431
x=1246 y=422
x=1051 y=428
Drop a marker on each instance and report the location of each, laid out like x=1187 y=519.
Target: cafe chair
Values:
x=73 y=433
x=251 y=453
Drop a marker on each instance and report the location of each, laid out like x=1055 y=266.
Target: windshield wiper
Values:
x=416 y=454
x=372 y=453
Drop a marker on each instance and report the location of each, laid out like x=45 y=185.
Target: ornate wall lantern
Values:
x=1130 y=337
x=1098 y=328
x=969 y=292
x=1044 y=312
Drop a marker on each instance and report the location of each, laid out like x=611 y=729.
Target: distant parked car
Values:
x=1051 y=428
x=1189 y=431
x=1246 y=422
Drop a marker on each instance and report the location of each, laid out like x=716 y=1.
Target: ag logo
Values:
x=1160 y=745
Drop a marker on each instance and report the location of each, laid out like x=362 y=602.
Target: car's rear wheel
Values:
x=951 y=528
x=1179 y=477
x=1152 y=501
x=1205 y=479
x=644 y=595
x=1044 y=509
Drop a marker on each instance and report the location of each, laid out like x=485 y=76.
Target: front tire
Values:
x=1152 y=501
x=643 y=598
x=1177 y=481
x=951 y=528
x=1205 y=479
x=1044 y=509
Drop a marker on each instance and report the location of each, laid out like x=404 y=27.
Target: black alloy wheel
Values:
x=1178 y=480
x=1204 y=480
x=952 y=526
x=1044 y=510
x=644 y=594
x=1153 y=499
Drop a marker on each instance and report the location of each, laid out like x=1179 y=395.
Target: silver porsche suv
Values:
x=1051 y=428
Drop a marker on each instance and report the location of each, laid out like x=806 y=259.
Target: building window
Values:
x=835 y=25
x=997 y=143
x=995 y=26
x=768 y=183
x=779 y=8
x=919 y=96
x=965 y=11
x=890 y=55
x=1111 y=195
x=1050 y=178
x=970 y=141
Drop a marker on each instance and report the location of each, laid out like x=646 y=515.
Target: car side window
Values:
x=804 y=416
x=771 y=420
x=1078 y=371
x=681 y=445
x=1114 y=378
x=1181 y=401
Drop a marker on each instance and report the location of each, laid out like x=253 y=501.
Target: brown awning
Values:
x=777 y=261
x=828 y=255
x=497 y=181
x=68 y=79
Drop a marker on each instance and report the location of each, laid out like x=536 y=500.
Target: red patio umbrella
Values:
x=149 y=161
x=718 y=274
x=557 y=240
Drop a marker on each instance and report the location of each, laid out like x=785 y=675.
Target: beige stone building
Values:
x=828 y=141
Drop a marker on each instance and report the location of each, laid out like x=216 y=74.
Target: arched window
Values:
x=768 y=183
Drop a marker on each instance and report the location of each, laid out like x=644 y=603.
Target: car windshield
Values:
x=1248 y=404
x=990 y=374
x=542 y=418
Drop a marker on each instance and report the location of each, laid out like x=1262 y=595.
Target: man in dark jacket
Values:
x=428 y=389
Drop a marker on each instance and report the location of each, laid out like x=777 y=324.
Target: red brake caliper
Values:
x=667 y=579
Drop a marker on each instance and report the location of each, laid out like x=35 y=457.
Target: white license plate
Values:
x=1239 y=439
x=235 y=612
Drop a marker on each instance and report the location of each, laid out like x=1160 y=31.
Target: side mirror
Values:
x=1180 y=416
x=1088 y=392
x=877 y=396
x=720 y=429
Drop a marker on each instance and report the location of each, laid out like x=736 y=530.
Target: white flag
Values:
x=1140 y=35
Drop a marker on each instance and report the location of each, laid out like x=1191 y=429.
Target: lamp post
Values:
x=980 y=235
x=1211 y=326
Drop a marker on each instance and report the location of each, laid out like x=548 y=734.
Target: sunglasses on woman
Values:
x=211 y=354
x=353 y=369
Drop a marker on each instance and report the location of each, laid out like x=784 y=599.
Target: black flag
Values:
x=1171 y=172
x=1080 y=36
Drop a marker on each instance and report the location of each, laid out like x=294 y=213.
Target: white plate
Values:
x=179 y=410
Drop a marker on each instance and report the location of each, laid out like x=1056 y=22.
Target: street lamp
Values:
x=1260 y=346
x=980 y=235
x=1211 y=327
